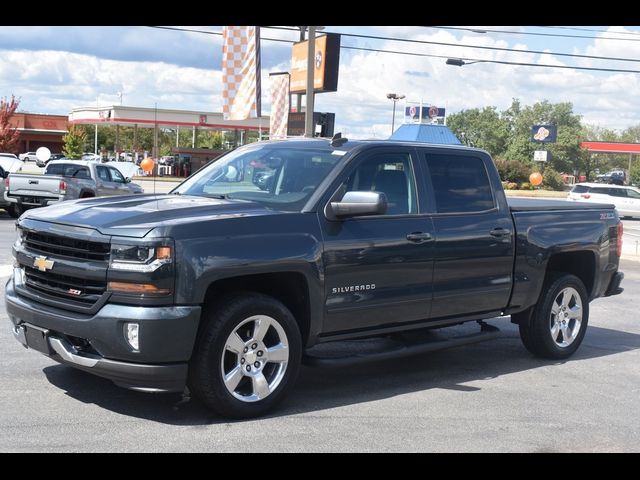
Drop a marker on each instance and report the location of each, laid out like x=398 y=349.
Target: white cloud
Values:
x=57 y=81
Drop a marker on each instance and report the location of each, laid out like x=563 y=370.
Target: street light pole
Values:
x=394 y=97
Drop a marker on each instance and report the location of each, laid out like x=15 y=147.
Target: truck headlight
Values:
x=137 y=258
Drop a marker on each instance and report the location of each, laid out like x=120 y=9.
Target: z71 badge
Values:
x=607 y=215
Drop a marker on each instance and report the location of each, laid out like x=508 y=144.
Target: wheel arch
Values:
x=582 y=264
x=290 y=288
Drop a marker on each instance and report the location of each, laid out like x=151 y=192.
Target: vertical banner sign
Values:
x=240 y=73
x=280 y=100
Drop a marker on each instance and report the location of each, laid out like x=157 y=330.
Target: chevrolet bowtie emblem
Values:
x=42 y=264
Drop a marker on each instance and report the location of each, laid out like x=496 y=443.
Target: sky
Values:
x=55 y=69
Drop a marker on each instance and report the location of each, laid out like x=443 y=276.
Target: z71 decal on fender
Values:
x=607 y=215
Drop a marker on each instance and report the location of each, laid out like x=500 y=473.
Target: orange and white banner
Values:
x=240 y=72
x=280 y=99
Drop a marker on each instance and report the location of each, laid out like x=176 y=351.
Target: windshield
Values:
x=280 y=177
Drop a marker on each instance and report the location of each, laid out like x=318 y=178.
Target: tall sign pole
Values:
x=311 y=53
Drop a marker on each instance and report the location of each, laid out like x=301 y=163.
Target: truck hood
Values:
x=137 y=215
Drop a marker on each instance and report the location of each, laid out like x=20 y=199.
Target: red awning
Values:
x=611 y=147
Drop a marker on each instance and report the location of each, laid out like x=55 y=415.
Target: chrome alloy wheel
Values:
x=255 y=358
x=566 y=317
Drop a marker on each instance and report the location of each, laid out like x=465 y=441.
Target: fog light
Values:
x=131 y=333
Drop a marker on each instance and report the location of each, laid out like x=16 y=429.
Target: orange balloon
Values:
x=147 y=164
x=535 y=178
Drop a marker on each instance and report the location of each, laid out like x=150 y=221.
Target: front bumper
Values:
x=96 y=343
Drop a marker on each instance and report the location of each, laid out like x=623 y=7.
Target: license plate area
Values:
x=37 y=338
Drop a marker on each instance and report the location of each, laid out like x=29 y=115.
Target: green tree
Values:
x=481 y=129
x=634 y=174
x=74 y=141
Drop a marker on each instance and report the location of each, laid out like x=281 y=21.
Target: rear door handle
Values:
x=500 y=232
x=419 y=237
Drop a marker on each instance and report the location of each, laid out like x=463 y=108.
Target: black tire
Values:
x=536 y=329
x=14 y=210
x=210 y=357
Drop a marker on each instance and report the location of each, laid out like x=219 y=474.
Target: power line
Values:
x=417 y=54
x=502 y=62
x=482 y=47
x=210 y=32
x=538 y=34
x=589 y=30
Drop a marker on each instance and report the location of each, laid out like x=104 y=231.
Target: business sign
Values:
x=415 y=112
x=296 y=124
x=326 y=63
x=540 y=156
x=544 y=133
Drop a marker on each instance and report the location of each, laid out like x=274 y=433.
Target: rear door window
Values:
x=460 y=183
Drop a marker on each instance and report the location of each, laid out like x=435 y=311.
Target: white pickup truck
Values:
x=65 y=180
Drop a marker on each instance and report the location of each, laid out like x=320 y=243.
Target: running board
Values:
x=355 y=352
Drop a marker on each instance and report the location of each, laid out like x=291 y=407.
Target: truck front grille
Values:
x=81 y=290
x=66 y=247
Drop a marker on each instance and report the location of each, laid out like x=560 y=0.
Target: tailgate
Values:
x=21 y=185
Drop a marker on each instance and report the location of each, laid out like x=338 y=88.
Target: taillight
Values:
x=63 y=187
x=619 y=240
x=586 y=196
x=6 y=184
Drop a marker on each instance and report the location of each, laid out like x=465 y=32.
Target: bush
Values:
x=513 y=171
x=526 y=186
x=634 y=174
x=512 y=186
x=552 y=180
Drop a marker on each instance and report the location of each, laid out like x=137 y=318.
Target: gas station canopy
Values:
x=163 y=118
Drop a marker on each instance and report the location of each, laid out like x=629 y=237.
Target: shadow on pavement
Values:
x=319 y=389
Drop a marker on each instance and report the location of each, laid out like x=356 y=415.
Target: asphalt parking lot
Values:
x=492 y=396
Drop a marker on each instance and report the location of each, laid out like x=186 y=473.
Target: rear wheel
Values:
x=247 y=357
x=558 y=324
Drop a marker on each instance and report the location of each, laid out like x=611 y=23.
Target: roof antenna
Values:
x=337 y=140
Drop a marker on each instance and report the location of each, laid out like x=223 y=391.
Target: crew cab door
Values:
x=474 y=232
x=118 y=179
x=104 y=184
x=378 y=269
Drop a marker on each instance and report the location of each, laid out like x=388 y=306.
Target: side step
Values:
x=355 y=352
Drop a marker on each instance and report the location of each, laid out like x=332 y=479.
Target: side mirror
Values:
x=127 y=180
x=3 y=173
x=357 y=204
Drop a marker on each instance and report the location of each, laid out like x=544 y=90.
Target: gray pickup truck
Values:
x=65 y=180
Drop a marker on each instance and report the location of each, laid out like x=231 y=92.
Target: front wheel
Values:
x=247 y=357
x=558 y=324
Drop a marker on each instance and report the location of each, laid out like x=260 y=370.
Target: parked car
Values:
x=66 y=180
x=27 y=157
x=54 y=156
x=626 y=199
x=10 y=163
x=615 y=177
x=226 y=288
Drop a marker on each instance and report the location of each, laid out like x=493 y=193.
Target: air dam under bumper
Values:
x=170 y=335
